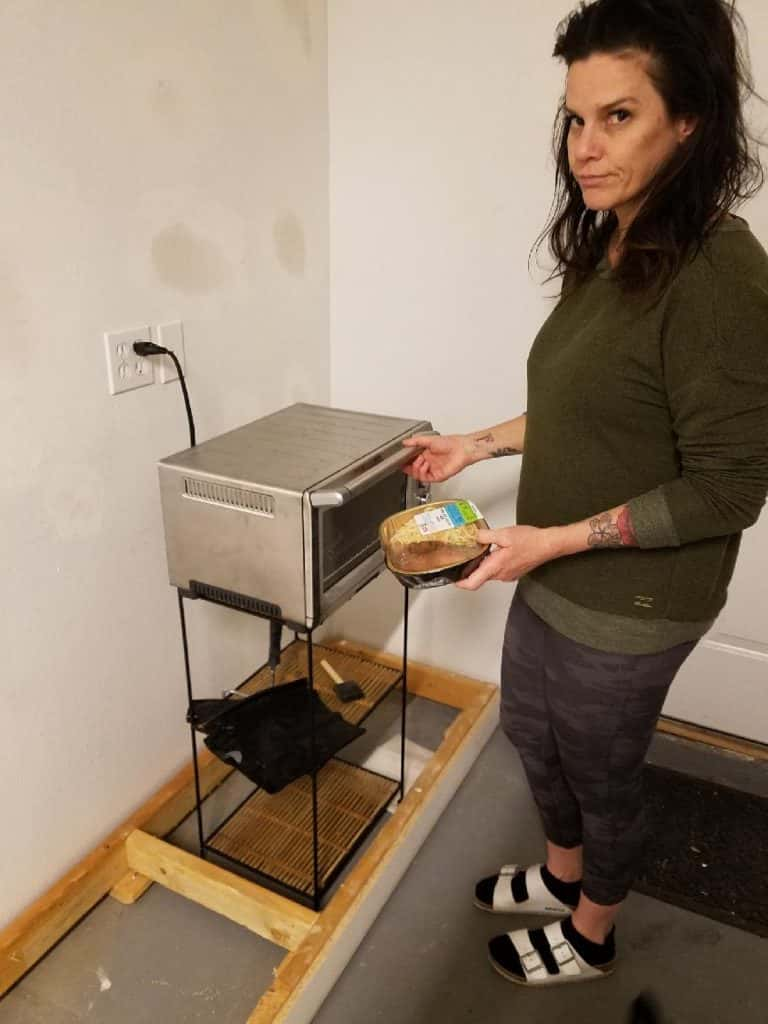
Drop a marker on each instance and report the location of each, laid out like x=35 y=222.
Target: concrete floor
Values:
x=165 y=960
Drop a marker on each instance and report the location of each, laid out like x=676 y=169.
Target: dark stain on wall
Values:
x=187 y=261
x=290 y=247
x=297 y=12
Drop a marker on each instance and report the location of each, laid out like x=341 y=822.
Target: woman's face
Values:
x=620 y=133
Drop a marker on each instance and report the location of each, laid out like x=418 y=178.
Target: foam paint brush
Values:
x=345 y=689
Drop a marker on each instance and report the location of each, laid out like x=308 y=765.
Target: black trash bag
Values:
x=267 y=736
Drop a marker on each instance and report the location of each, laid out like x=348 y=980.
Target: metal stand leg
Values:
x=315 y=898
x=405 y=694
x=315 y=838
x=198 y=799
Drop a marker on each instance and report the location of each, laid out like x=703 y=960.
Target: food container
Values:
x=435 y=544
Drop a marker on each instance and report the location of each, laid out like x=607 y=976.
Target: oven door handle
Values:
x=341 y=495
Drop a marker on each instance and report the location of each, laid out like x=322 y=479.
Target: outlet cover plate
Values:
x=126 y=370
x=171 y=336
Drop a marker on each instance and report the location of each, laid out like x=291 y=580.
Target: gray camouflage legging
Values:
x=582 y=721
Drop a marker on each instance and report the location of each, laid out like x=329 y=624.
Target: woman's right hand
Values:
x=443 y=456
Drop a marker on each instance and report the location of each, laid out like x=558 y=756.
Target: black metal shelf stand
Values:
x=320 y=888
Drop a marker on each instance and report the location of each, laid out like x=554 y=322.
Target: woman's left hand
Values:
x=519 y=549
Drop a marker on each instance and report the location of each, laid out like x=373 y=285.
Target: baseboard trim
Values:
x=712 y=738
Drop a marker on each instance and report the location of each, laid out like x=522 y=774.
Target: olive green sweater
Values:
x=663 y=408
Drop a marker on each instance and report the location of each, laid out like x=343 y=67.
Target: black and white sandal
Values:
x=518 y=890
x=542 y=956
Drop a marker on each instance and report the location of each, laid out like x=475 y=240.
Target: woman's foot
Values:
x=532 y=890
x=553 y=955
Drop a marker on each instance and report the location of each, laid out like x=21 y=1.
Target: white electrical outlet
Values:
x=126 y=370
x=171 y=336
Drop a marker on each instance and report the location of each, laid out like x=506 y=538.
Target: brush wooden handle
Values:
x=331 y=672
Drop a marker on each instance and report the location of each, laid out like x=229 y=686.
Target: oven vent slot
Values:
x=232 y=497
x=233 y=600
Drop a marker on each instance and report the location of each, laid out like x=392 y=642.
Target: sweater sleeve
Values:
x=720 y=424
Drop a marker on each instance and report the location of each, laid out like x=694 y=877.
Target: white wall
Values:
x=441 y=179
x=164 y=161
x=159 y=161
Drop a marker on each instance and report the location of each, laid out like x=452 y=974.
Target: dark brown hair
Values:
x=700 y=68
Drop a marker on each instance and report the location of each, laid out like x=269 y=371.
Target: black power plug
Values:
x=149 y=348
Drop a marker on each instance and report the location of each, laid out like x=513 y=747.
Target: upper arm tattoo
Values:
x=611 y=530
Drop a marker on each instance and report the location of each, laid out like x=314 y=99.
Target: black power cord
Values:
x=149 y=348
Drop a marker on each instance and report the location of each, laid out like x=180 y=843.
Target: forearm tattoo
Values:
x=612 y=530
x=497 y=453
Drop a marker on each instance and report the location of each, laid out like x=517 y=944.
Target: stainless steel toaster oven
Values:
x=280 y=517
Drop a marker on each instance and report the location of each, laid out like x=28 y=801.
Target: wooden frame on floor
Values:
x=319 y=945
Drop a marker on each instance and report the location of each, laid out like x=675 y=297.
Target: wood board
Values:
x=319 y=946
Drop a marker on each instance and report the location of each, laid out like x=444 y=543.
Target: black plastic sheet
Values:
x=268 y=737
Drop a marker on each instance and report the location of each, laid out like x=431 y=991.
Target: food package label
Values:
x=447 y=517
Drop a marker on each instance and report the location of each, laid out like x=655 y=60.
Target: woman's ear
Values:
x=686 y=126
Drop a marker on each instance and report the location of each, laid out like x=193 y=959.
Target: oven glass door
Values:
x=349 y=535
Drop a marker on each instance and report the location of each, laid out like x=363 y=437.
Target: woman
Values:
x=644 y=445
